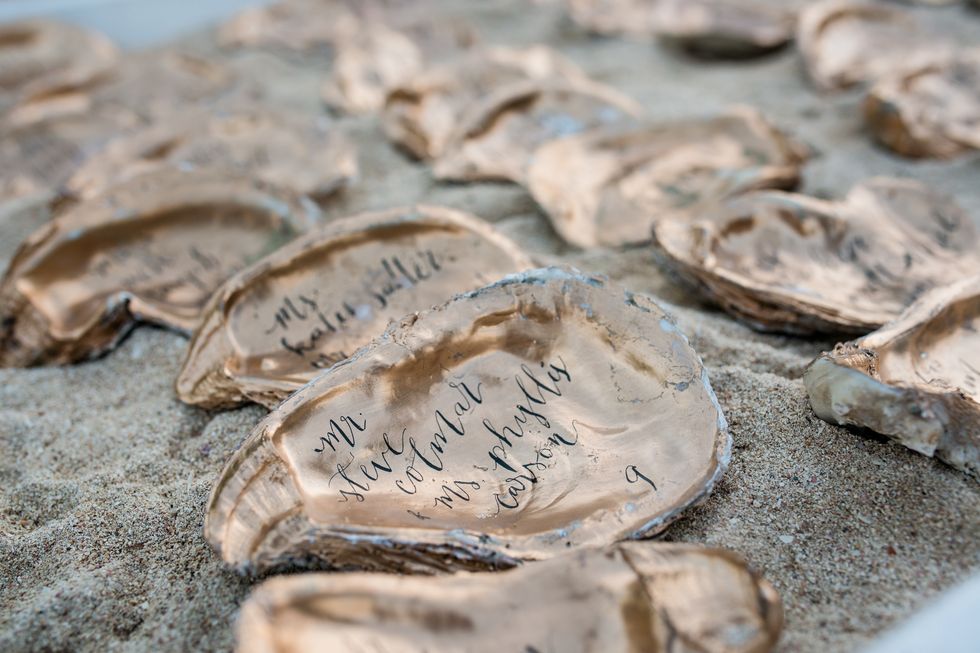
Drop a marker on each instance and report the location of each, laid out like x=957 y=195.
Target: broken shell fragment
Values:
x=723 y=28
x=635 y=596
x=496 y=137
x=846 y=42
x=152 y=249
x=289 y=24
x=287 y=151
x=606 y=187
x=796 y=264
x=916 y=380
x=39 y=57
x=314 y=302
x=545 y=412
x=930 y=111
x=421 y=114
x=374 y=58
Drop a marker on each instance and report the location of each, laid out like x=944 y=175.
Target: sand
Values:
x=104 y=474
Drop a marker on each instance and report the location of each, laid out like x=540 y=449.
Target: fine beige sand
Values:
x=104 y=474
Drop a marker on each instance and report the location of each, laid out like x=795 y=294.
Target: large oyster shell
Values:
x=606 y=187
x=497 y=136
x=422 y=113
x=797 y=264
x=152 y=249
x=545 y=412
x=636 y=596
x=289 y=151
x=916 y=380
x=373 y=58
x=847 y=42
x=314 y=302
x=724 y=28
x=930 y=111
x=38 y=57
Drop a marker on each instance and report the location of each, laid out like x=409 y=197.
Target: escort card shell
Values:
x=846 y=42
x=545 y=412
x=930 y=111
x=314 y=302
x=420 y=115
x=796 y=264
x=606 y=187
x=38 y=57
x=916 y=380
x=723 y=28
x=496 y=137
x=288 y=151
x=635 y=596
x=152 y=249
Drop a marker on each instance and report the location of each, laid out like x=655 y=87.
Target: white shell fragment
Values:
x=627 y=597
x=916 y=380
x=546 y=412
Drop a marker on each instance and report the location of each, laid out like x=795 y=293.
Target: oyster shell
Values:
x=152 y=249
x=724 y=28
x=38 y=57
x=285 y=150
x=373 y=58
x=931 y=111
x=312 y=303
x=796 y=264
x=627 y=597
x=507 y=425
x=497 y=136
x=605 y=187
x=289 y=24
x=613 y=17
x=421 y=114
x=846 y=42
x=916 y=380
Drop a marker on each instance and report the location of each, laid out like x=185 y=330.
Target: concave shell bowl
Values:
x=543 y=413
x=916 y=380
x=627 y=597
x=497 y=136
x=152 y=249
x=929 y=111
x=792 y=263
x=421 y=113
x=314 y=302
x=606 y=187
x=847 y=42
x=308 y=156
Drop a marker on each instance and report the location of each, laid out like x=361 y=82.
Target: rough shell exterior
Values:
x=724 y=28
x=916 y=380
x=546 y=412
x=308 y=305
x=795 y=264
x=152 y=249
x=628 y=597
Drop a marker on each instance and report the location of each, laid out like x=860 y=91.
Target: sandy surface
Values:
x=104 y=474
